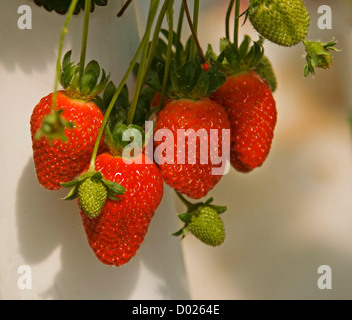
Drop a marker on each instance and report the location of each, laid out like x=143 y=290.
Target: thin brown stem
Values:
x=194 y=34
x=123 y=9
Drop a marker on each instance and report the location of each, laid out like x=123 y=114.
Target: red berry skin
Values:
x=251 y=108
x=193 y=180
x=61 y=161
x=116 y=234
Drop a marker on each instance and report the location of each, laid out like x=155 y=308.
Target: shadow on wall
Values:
x=51 y=223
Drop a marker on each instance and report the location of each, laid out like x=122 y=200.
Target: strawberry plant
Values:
x=219 y=107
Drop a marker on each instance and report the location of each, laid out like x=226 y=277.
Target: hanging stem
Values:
x=123 y=9
x=184 y=201
x=152 y=12
x=237 y=19
x=169 y=52
x=194 y=33
x=61 y=44
x=140 y=78
x=228 y=15
x=195 y=26
x=156 y=36
x=178 y=34
x=82 y=60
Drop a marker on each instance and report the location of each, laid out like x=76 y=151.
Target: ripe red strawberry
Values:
x=60 y=161
x=193 y=180
x=116 y=234
x=63 y=137
x=251 y=109
x=248 y=101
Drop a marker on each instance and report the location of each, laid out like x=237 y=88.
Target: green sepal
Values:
x=97 y=176
x=62 y=6
x=193 y=82
x=121 y=107
x=73 y=194
x=233 y=60
x=318 y=55
x=182 y=232
x=114 y=137
x=53 y=127
x=112 y=197
x=265 y=69
x=87 y=87
x=114 y=187
x=185 y=217
x=69 y=184
x=219 y=209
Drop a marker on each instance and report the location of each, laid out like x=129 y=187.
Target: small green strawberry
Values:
x=203 y=221
x=207 y=226
x=318 y=55
x=92 y=195
x=92 y=190
x=284 y=22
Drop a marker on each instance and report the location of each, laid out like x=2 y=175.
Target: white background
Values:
x=284 y=219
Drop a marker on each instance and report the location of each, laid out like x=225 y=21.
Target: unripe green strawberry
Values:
x=92 y=196
x=284 y=22
x=207 y=226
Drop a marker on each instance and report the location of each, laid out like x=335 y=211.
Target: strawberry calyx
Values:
x=191 y=81
x=318 y=55
x=189 y=78
x=53 y=127
x=112 y=189
x=85 y=86
x=234 y=60
x=62 y=6
x=214 y=237
x=117 y=132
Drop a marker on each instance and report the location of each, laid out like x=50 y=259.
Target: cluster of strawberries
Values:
x=78 y=144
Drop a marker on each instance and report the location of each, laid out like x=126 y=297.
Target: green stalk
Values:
x=228 y=15
x=141 y=74
x=195 y=26
x=61 y=44
x=178 y=34
x=156 y=36
x=193 y=30
x=152 y=12
x=237 y=19
x=169 y=52
x=184 y=201
x=82 y=61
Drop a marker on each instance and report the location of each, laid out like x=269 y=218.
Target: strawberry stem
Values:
x=178 y=34
x=228 y=15
x=237 y=19
x=154 y=42
x=82 y=61
x=193 y=30
x=169 y=52
x=142 y=71
x=123 y=9
x=154 y=4
x=184 y=201
x=195 y=26
x=61 y=44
